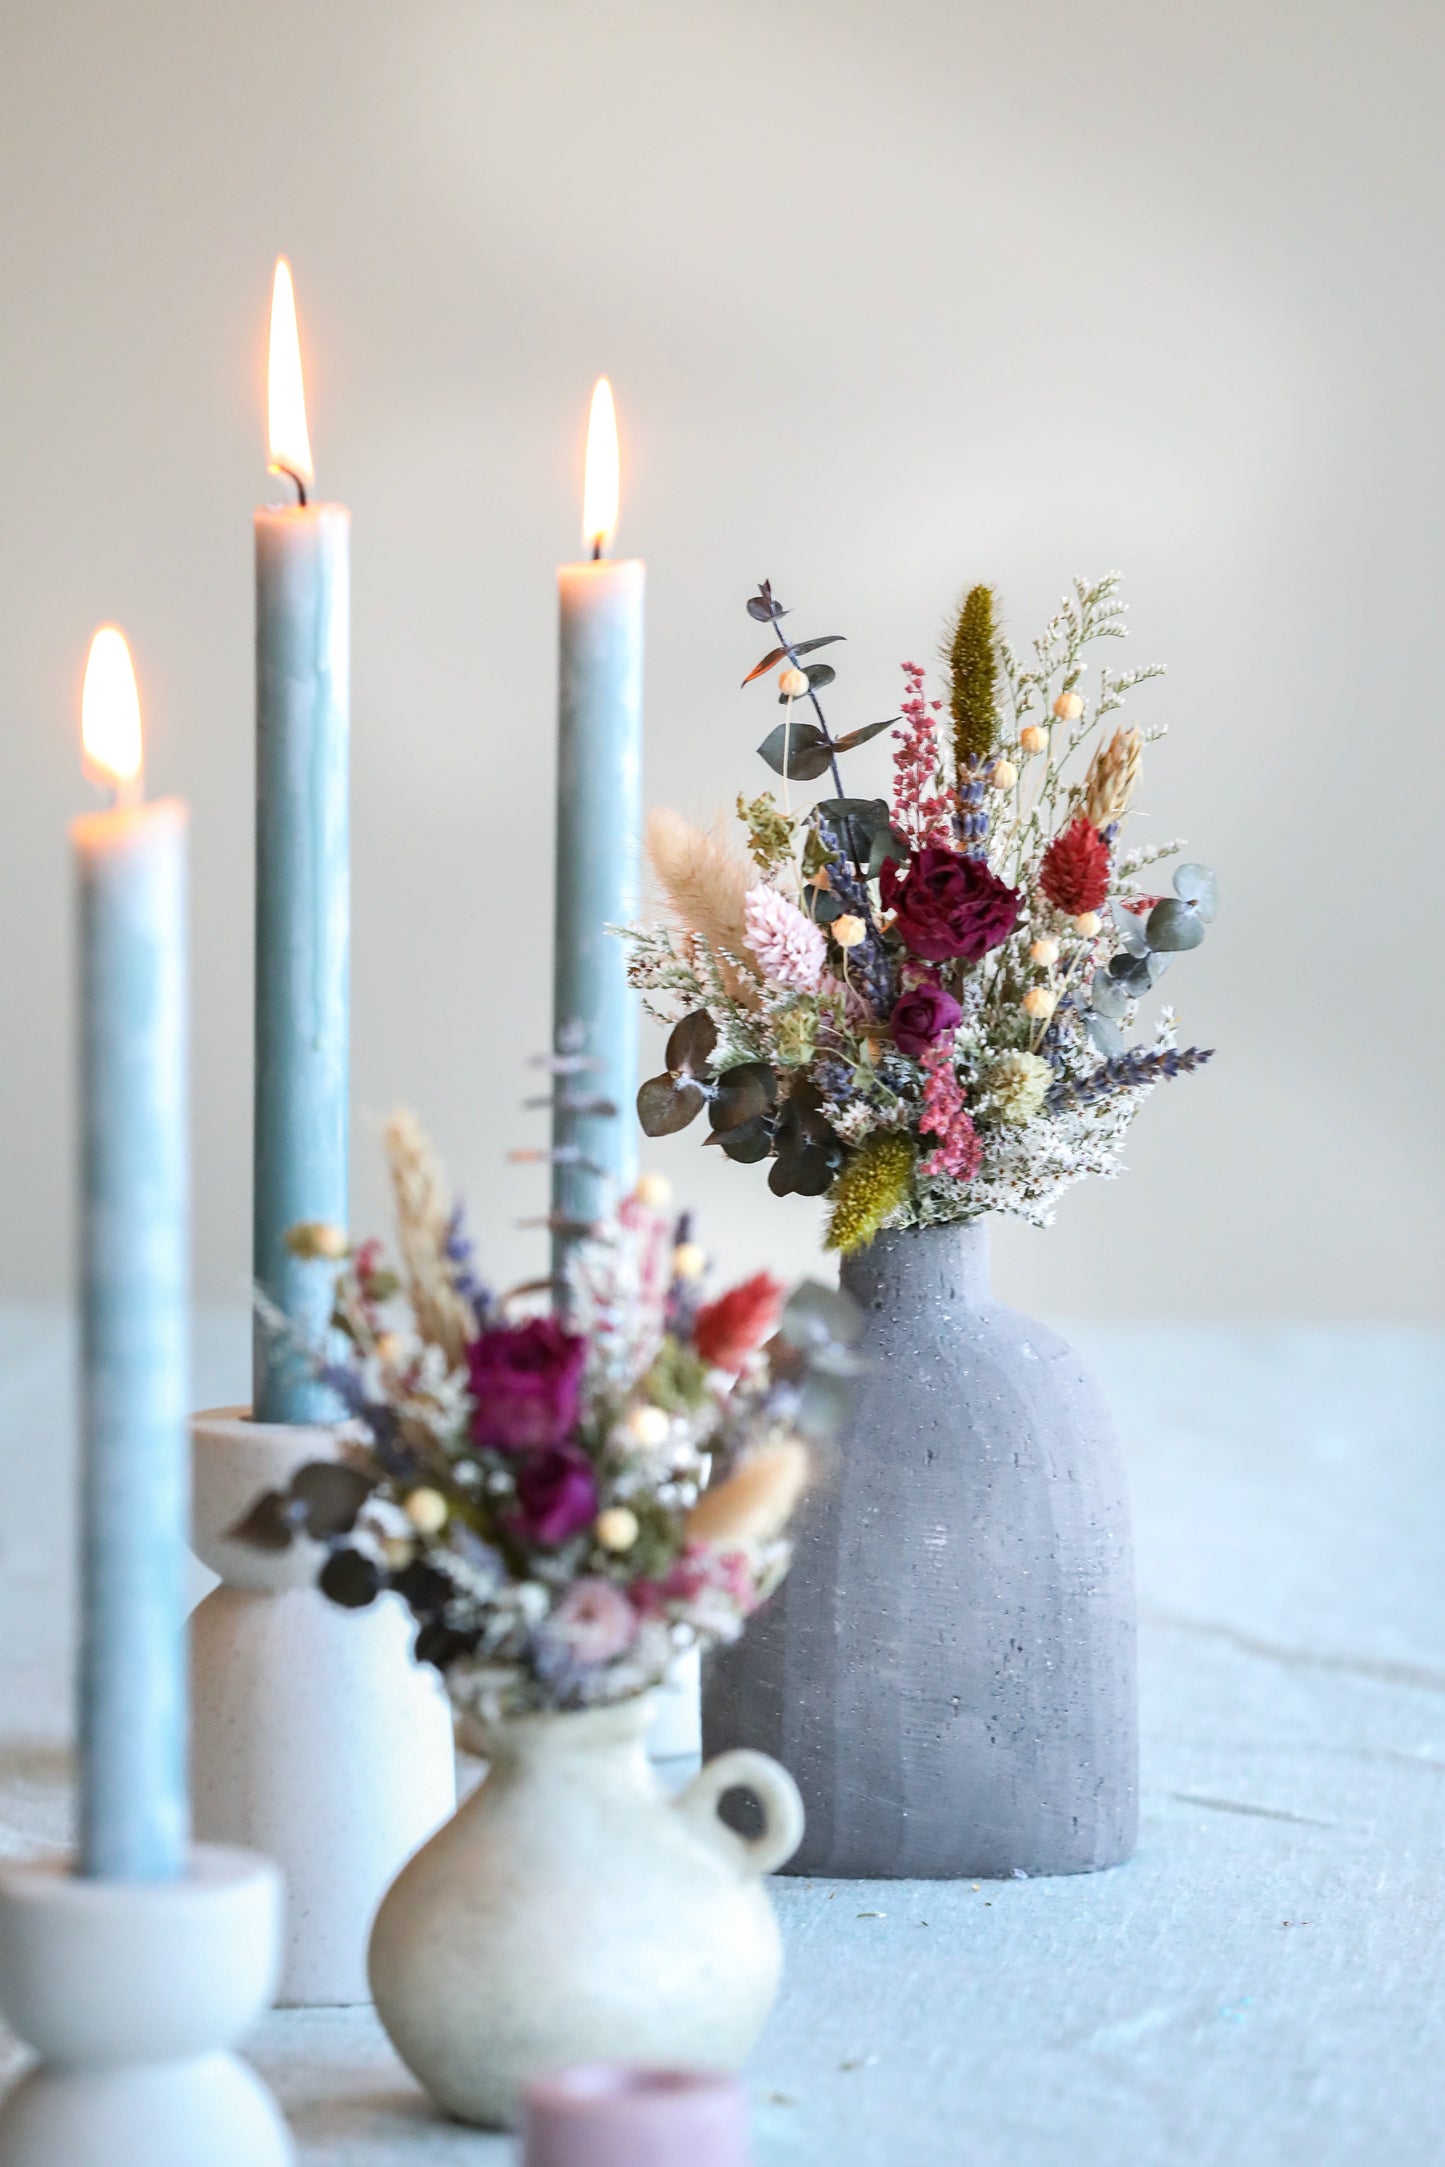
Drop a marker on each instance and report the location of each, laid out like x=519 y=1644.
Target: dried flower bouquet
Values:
x=924 y=1009
x=565 y=1503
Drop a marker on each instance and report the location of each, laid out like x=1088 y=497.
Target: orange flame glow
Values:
x=110 y=715
x=290 y=441
x=600 y=491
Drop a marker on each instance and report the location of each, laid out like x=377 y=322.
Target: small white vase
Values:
x=572 y=1912
x=316 y=1738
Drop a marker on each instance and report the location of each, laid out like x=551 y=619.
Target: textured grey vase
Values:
x=948 y=1670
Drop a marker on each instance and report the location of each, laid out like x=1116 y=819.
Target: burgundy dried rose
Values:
x=1074 y=874
x=948 y=905
x=920 y=1015
x=556 y=1494
x=527 y=1383
x=727 y=1330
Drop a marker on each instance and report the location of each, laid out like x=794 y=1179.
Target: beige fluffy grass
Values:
x=755 y=1504
x=706 y=884
x=423 y=1217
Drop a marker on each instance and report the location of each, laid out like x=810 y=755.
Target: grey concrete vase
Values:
x=949 y=1669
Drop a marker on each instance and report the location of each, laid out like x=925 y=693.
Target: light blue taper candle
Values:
x=599 y=820
x=303 y=895
x=131 y=868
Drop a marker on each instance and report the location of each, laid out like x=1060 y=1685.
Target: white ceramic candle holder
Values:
x=133 y=1992
x=674 y=1743
x=316 y=1738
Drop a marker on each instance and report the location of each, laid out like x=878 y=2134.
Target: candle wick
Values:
x=291 y=472
x=597 y=550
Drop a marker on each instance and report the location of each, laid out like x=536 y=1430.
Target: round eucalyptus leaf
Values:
x=745 y=1146
x=742 y=1094
x=690 y=1046
x=269 y=1525
x=1131 y=930
x=1108 y=997
x=350 y=1579
x=330 y=1495
x=1196 y=884
x=798 y=750
x=1105 y=1035
x=1174 y=926
x=1132 y=973
x=666 y=1104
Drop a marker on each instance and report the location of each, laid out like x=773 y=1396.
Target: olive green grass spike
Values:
x=871 y=1185
x=973 y=667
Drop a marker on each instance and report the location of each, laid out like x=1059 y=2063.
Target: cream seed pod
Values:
x=648 y=1425
x=397 y=1552
x=1044 y=952
x=1087 y=924
x=792 y=684
x=1004 y=775
x=689 y=1260
x=427 y=1511
x=616 y=1528
x=1039 y=1003
x=653 y=1190
x=848 y=931
x=1068 y=707
x=1033 y=739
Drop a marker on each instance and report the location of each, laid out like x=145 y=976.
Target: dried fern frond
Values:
x=423 y=1224
x=1113 y=772
x=706 y=883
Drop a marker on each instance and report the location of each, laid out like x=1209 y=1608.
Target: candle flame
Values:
x=286 y=401
x=110 y=714
x=600 y=492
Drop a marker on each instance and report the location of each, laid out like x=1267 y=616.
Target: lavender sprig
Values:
x=1126 y=1072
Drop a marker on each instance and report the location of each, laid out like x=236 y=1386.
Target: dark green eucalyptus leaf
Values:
x=746 y=1145
x=690 y=1046
x=820 y=675
x=1132 y=973
x=350 y=1579
x=762 y=607
x=269 y=1525
x=666 y=1104
x=1174 y=926
x=330 y=1494
x=822 y=905
x=808 y=1172
x=804 y=747
x=1196 y=884
x=742 y=1094
x=861 y=737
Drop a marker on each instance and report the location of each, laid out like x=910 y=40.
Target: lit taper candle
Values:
x=131 y=873
x=599 y=819
x=303 y=886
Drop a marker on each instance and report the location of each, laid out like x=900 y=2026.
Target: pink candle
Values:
x=600 y=2115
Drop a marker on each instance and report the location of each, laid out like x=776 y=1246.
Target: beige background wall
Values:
x=893 y=298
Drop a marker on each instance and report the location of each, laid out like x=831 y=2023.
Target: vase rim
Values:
x=626 y=1718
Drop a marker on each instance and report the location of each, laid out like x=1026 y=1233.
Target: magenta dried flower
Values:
x=920 y=1015
x=527 y=1383
x=556 y=1494
x=948 y=905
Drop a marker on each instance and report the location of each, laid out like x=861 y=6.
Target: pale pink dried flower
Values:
x=596 y=1621
x=790 y=949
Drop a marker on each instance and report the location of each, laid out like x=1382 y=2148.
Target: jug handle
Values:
x=776 y=1793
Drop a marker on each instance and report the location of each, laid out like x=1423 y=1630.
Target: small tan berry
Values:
x=314 y=1238
x=823 y=878
x=389 y=1346
x=1068 y=707
x=617 y=1527
x=1004 y=775
x=1040 y=1003
x=792 y=684
x=1087 y=924
x=689 y=1260
x=1045 y=952
x=427 y=1511
x=649 y=1425
x=872 y=1051
x=653 y=1190
x=397 y=1552
x=848 y=930
x=1033 y=739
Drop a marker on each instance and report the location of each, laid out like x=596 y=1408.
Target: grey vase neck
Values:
x=950 y=1261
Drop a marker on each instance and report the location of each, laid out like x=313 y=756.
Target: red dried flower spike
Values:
x=1075 y=870
x=727 y=1330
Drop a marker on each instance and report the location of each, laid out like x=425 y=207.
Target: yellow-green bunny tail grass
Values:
x=872 y=1184
x=973 y=667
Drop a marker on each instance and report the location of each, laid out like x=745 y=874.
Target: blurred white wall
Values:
x=893 y=298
